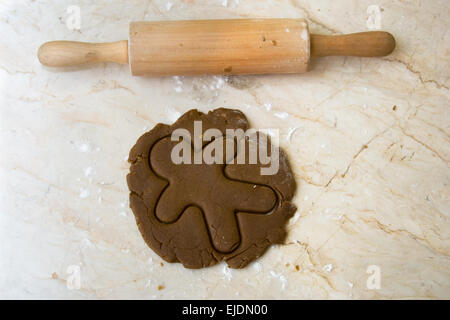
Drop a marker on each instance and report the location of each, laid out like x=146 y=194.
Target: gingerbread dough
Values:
x=200 y=214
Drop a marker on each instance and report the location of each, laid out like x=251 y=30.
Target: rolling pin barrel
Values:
x=234 y=46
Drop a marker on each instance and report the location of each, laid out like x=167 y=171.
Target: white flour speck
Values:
x=281 y=277
x=268 y=106
x=281 y=115
x=257 y=266
x=227 y=273
x=225 y=3
x=287 y=30
x=219 y=82
x=169 y=5
x=100 y=199
x=295 y=218
x=304 y=35
x=88 y=171
x=327 y=268
x=123 y=213
x=87 y=243
x=84 y=193
x=283 y=282
x=178 y=80
x=172 y=114
x=84 y=147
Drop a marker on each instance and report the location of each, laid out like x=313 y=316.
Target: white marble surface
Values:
x=368 y=140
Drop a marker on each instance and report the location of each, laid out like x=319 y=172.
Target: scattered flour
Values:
x=227 y=273
x=281 y=277
x=327 y=268
x=304 y=35
x=294 y=218
x=178 y=83
x=281 y=115
x=86 y=243
x=172 y=114
x=88 y=171
x=84 y=147
x=84 y=193
x=257 y=266
x=268 y=106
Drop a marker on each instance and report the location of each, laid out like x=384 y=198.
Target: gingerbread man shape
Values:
x=206 y=186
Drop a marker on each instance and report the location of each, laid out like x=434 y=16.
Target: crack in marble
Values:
x=313 y=20
x=411 y=68
x=413 y=236
x=423 y=144
x=364 y=147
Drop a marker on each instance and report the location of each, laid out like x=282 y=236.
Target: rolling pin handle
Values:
x=72 y=53
x=363 y=44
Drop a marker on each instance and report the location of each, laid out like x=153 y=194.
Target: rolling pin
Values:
x=228 y=47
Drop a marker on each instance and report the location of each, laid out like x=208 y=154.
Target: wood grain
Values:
x=72 y=53
x=363 y=44
x=233 y=46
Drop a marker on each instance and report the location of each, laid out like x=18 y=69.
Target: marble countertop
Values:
x=367 y=139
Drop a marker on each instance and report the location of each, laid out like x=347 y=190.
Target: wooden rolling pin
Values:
x=236 y=46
